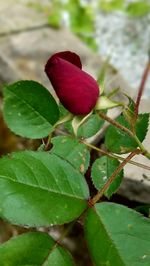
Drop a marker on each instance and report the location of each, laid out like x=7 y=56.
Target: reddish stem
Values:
x=100 y=193
x=141 y=87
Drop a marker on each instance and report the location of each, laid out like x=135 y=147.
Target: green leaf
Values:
x=33 y=249
x=90 y=127
x=117 y=236
x=29 y=109
x=59 y=257
x=72 y=151
x=62 y=110
x=118 y=141
x=102 y=169
x=39 y=189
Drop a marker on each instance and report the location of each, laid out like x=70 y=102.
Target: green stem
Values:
x=48 y=141
x=113 y=92
x=144 y=151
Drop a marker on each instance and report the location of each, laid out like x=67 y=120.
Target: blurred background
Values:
x=119 y=30
x=111 y=32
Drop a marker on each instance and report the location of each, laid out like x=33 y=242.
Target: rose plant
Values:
x=52 y=185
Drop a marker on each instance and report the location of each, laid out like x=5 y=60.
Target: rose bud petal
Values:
x=76 y=89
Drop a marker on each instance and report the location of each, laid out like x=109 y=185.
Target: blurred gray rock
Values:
x=25 y=54
x=17 y=15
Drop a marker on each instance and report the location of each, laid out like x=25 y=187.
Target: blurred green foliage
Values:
x=112 y=5
x=135 y=9
x=140 y=8
x=80 y=19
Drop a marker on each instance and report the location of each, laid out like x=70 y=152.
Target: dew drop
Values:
x=104 y=178
x=82 y=168
x=130 y=226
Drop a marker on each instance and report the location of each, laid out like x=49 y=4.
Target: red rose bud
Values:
x=76 y=89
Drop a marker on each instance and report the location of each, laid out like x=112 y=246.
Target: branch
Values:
x=59 y=241
x=116 y=124
x=141 y=87
x=146 y=167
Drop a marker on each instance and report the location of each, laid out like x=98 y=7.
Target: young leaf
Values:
x=102 y=75
x=39 y=189
x=129 y=112
x=105 y=103
x=117 y=236
x=102 y=169
x=72 y=151
x=29 y=109
x=34 y=248
x=118 y=141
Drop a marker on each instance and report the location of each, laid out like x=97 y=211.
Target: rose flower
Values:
x=77 y=90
